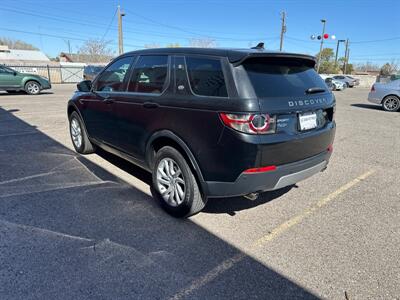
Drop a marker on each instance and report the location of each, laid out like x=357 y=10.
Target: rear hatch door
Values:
x=290 y=89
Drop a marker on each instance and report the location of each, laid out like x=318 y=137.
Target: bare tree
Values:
x=16 y=44
x=202 y=43
x=97 y=49
x=366 y=67
x=173 y=45
x=389 y=68
x=152 y=46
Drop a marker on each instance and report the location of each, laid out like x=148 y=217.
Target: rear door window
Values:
x=149 y=75
x=206 y=76
x=282 y=77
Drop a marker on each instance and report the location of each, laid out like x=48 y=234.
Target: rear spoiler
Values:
x=237 y=59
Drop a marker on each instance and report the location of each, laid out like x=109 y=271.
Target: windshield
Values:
x=93 y=69
x=282 y=77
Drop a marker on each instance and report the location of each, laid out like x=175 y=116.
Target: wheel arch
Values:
x=25 y=80
x=168 y=138
x=70 y=109
x=388 y=95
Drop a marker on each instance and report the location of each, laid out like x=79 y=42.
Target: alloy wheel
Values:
x=76 y=133
x=391 y=103
x=170 y=182
x=33 y=88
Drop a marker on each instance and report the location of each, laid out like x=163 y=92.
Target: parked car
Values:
x=13 y=82
x=350 y=82
x=356 y=80
x=336 y=84
x=90 y=71
x=328 y=82
x=208 y=122
x=386 y=94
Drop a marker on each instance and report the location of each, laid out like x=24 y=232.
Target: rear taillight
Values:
x=250 y=123
x=260 y=170
x=373 y=88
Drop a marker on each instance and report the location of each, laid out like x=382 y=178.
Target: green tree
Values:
x=327 y=62
x=327 y=55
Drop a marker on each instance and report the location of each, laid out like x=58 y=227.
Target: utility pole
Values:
x=283 y=29
x=346 y=53
x=322 y=43
x=69 y=47
x=337 y=50
x=120 y=36
x=68 y=42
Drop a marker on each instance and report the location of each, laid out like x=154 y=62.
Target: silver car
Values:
x=337 y=85
x=348 y=80
x=386 y=94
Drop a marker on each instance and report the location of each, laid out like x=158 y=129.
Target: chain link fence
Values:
x=56 y=74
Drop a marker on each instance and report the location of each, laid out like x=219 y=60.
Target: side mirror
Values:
x=15 y=73
x=84 y=86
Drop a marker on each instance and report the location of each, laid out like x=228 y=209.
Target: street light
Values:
x=337 y=50
x=322 y=43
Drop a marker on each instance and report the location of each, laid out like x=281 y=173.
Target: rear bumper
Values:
x=372 y=97
x=284 y=175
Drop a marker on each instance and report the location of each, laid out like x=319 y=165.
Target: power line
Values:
x=61 y=36
x=153 y=33
x=377 y=41
x=109 y=25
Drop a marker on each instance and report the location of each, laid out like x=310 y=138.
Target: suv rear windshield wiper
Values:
x=315 y=90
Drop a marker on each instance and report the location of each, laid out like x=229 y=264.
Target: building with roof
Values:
x=85 y=58
x=18 y=57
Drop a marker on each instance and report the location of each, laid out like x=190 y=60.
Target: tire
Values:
x=32 y=88
x=334 y=87
x=79 y=137
x=176 y=204
x=391 y=103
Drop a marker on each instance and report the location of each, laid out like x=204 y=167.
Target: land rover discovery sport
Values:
x=208 y=122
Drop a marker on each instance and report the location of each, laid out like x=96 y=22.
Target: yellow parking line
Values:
x=277 y=231
x=297 y=219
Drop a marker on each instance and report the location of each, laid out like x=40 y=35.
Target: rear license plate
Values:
x=308 y=121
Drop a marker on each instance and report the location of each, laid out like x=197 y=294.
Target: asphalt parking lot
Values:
x=80 y=227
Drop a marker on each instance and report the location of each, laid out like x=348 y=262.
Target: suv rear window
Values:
x=206 y=76
x=282 y=77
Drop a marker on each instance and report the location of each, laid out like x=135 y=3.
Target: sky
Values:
x=371 y=26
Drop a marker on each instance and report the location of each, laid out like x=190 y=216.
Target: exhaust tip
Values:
x=251 y=196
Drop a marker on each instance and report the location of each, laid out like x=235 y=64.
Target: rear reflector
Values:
x=330 y=148
x=260 y=170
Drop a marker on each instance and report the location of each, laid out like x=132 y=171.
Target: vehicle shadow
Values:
x=125 y=165
x=234 y=204
x=70 y=229
x=214 y=205
x=368 y=106
x=4 y=93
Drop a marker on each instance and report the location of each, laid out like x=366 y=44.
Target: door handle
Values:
x=108 y=100
x=150 y=105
